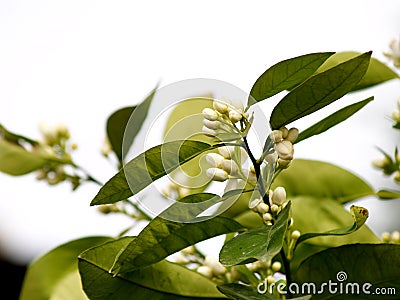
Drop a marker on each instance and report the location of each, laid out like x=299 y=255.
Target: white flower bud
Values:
x=220 y=107
x=397 y=176
x=276 y=266
x=216 y=267
x=276 y=136
x=253 y=205
x=396 y=115
x=209 y=132
x=270 y=279
x=262 y=208
x=285 y=132
x=205 y=271
x=271 y=158
x=386 y=237
x=295 y=234
x=285 y=150
x=226 y=151
x=179 y=258
x=230 y=166
x=217 y=174
x=292 y=135
x=214 y=159
x=235 y=116
x=380 y=163
x=62 y=131
x=214 y=125
x=396 y=237
x=267 y=217
x=274 y=208
x=279 y=196
x=210 y=114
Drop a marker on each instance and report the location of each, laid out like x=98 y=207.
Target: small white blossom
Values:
x=205 y=271
x=235 y=116
x=295 y=234
x=220 y=107
x=276 y=266
x=227 y=151
x=292 y=135
x=217 y=174
x=230 y=166
x=214 y=159
x=285 y=150
x=276 y=136
x=210 y=114
x=271 y=158
x=214 y=125
x=284 y=131
x=262 y=208
x=267 y=217
x=253 y=205
x=216 y=267
x=279 y=196
x=274 y=208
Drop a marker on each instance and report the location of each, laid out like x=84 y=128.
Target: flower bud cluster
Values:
x=222 y=119
x=212 y=267
x=393 y=237
x=283 y=139
x=396 y=113
x=389 y=166
x=277 y=201
x=394 y=53
x=223 y=165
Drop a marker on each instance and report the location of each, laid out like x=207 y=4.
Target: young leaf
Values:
x=319 y=91
x=162 y=237
x=287 y=74
x=53 y=276
x=322 y=180
x=163 y=280
x=148 y=167
x=261 y=243
x=377 y=72
x=354 y=266
x=359 y=215
x=312 y=214
x=388 y=194
x=332 y=120
x=118 y=129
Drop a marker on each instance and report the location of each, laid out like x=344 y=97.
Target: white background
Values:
x=77 y=61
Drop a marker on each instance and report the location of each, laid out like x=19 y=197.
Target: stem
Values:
x=286 y=265
x=257 y=169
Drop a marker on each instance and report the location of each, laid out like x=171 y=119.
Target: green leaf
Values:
x=376 y=265
x=377 y=72
x=148 y=167
x=163 y=280
x=261 y=243
x=312 y=214
x=332 y=120
x=319 y=91
x=287 y=74
x=359 y=215
x=388 y=194
x=243 y=292
x=54 y=275
x=162 y=237
x=322 y=180
x=119 y=127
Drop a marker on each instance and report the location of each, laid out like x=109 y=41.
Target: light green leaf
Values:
x=377 y=72
x=322 y=180
x=148 y=167
x=332 y=120
x=359 y=214
x=261 y=243
x=287 y=74
x=53 y=276
x=121 y=131
x=163 y=280
x=319 y=90
x=359 y=264
x=312 y=214
x=388 y=194
x=162 y=237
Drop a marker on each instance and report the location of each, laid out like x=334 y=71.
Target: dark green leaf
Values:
x=261 y=243
x=148 y=167
x=287 y=74
x=352 y=265
x=332 y=120
x=312 y=214
x=319 y=90
x=333 y=182
x=162 y=237
x=121 y=133
x=55 y=275
x=163 y=280
x=359 y=215
x=377 y=72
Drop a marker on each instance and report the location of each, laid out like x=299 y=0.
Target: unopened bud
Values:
x=386 y=237
x=210 y=114
x=279 y=196
x=230 y=166
x=262 y=208
x=209 y=132
x=271 y=158
x=276 y=136
x=293 y=133
x=214 y=125
x=270 y=279
x=217 y=174
x=205 y=271
x=285 y=132
x=285 y=150
x=253 y=205
x=226 y=151
x=220 y=107
x=216 y=267
x=214 y=159
x=274 y=208
x=381 y=163
x=397 y=176
x=267 y=217
x=295 y=234
x=235 y=116
x=396 y=237
x=276 y=266
x=396 y=115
